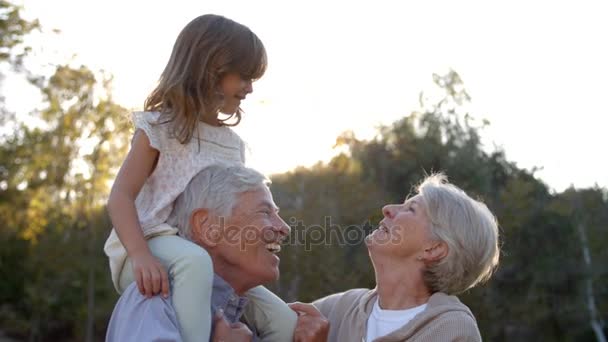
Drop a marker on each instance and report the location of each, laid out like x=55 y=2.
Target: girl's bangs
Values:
x=250 y=59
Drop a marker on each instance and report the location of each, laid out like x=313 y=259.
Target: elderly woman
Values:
x=433 y=246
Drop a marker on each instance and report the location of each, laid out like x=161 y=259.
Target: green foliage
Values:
x=54 y=179
x=12 y=30
x=329 y=208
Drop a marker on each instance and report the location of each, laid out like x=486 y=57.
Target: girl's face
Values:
x=234 y=90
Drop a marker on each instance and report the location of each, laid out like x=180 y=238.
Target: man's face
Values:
x=252 y=236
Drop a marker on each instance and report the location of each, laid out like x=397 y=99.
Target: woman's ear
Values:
x=436 y=251
x=202 y=229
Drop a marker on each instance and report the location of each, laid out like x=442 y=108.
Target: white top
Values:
x=177 y=165
x=383 y=322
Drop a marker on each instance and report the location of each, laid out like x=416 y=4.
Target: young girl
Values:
x=211 y=68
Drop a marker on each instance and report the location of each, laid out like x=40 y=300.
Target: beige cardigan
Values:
x=444 y=319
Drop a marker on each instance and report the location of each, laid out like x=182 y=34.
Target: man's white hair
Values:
x=468 y=228
x=214 y=188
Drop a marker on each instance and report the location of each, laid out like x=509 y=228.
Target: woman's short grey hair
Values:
x=468 y=228
x=214 y=188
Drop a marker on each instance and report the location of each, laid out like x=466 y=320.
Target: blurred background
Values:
x=360 y=101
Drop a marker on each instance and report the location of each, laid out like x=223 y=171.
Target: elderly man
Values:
x=242 y=244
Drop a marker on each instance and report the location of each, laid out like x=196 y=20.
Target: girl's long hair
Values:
x=208 y=48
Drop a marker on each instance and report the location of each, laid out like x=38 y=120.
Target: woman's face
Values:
x=404 y=232
x=234 y=90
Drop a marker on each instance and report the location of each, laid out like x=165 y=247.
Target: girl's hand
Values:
x=150 y=275
x=223 y=331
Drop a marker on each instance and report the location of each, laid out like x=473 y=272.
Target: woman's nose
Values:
x=387 y=211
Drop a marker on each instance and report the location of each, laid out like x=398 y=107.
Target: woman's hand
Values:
x=223 y=331
x=312 y=325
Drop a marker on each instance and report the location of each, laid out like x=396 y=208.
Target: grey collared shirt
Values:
x=137 y=318
x=223 y=297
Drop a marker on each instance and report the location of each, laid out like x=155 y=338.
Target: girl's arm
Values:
x=149 y=273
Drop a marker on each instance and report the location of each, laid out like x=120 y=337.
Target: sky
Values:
x=537 y=70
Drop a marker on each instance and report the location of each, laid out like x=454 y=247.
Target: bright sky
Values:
x=538 y=70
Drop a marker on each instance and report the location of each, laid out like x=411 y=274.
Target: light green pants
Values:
x=191 y=273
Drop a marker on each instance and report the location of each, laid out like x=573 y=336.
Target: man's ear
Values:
x=436 y=251
x=203 y=231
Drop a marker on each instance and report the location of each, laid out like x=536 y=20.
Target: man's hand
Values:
x=223 y=331
x=150 y=275
x=312 y=325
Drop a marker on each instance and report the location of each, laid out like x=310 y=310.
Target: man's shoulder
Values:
x=136 y=317
x=132 y=298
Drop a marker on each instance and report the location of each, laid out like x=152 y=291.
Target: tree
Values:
x=55 y=182
x=13 y=28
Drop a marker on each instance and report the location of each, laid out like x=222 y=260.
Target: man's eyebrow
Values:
x=269 y=205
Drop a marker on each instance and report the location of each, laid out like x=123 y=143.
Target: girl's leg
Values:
x=191 y=275
x=272 y=318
